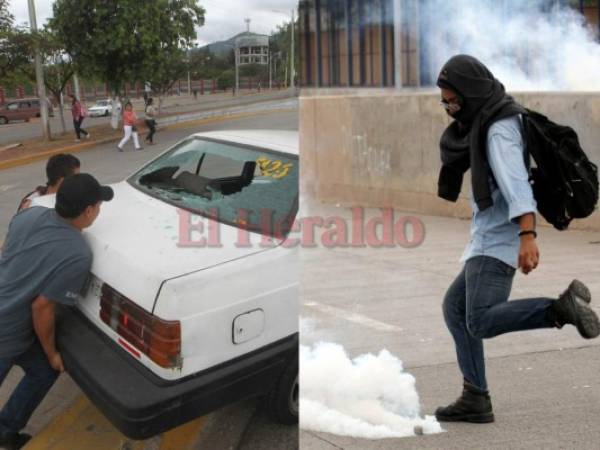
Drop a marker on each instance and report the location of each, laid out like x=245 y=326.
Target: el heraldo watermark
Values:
x=386 y=229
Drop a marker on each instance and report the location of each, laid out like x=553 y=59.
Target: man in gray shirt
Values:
x=45 y=261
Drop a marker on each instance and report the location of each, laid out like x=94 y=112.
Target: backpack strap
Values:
x=526 y=155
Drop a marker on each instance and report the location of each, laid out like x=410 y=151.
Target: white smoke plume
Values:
x=367 y=397
x=528 y=45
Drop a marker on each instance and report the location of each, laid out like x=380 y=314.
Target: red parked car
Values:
x=22 y=109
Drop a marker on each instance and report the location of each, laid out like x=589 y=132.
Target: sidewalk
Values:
x=35 y=149
x=544 y=384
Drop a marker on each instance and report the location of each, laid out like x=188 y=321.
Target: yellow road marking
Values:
x=83 y=427
x=184 y=436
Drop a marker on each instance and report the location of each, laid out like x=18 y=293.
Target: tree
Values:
x=169 y=67
x=226 y=79
x=14 y=45
x=58 y=68
x=6 y=18
x=171 y=58
x=120 y=40
x=20 y=49
x=280 y=44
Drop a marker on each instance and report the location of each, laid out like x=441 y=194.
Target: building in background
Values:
x=253 y=48
x=366 y=142
x=384 y=43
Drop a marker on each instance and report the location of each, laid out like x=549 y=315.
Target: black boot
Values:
x=474 y=405
x=573 y=306
x=13 y=441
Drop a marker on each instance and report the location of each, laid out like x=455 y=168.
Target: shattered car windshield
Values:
x=239 y=185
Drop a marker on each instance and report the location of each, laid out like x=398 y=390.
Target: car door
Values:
x=12 y=111
x=25 y=110
x=35 y=110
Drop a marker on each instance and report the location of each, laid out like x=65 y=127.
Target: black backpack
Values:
x=564 y=180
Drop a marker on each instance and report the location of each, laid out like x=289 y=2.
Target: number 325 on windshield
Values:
x=273 y=168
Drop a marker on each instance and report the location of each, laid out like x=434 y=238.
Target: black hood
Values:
x=472 y=81
x=463 y=144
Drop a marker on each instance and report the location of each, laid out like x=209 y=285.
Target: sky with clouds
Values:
x=224 y=18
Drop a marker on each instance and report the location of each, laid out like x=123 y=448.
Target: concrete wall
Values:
x=380 y=147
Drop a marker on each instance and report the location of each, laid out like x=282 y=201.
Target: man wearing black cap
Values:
x=486 y=138
x=45 y=261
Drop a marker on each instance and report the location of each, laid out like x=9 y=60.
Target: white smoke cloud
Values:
x=368 y=397
x=527 y=45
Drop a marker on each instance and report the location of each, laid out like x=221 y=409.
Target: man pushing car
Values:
x=45 y=261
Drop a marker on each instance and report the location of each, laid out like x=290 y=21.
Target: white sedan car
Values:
x=100 y=109
x=192 y=301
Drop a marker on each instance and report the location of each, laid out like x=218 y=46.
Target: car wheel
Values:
x=106 y=114
x=283 y=399
x=3 y=120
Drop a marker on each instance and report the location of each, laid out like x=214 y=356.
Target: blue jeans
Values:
x=476 y=307
x=33 y=387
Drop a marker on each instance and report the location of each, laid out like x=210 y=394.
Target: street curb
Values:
x=10 y=163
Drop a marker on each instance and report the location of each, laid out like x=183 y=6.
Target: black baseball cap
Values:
x=79 y=191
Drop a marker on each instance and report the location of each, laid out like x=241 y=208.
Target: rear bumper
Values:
x=139 y=403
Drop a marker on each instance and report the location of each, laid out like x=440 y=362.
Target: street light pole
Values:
x=39 y=75
x=76 y=86
x=270 y=70
x=292 y=74
x=237 y=70
x=189 y=80
x=292 y=69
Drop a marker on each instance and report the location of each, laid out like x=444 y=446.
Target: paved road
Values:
x=110 y=166
x=545 y=384
x=16 y=131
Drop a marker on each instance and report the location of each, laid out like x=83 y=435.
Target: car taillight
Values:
x=158 y=339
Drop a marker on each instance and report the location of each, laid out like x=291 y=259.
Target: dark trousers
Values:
x=476 y=307
x=31 y=390
x=78 y=129
x=151 y=124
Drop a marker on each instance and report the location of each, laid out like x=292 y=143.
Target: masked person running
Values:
x=486 y=138
x=45 y=261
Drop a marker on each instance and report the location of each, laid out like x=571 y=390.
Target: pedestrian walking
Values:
x=150 y=114
x=58 y=168
x=129 y=127
x=45 y=262
x=78 y=112
x=486 y=138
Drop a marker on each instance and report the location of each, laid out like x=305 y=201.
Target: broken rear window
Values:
x=244 y=186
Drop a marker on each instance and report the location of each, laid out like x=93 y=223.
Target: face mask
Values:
x=452 y=108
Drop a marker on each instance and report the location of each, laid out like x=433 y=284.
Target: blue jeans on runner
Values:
x=31 y=390
x=476 y=307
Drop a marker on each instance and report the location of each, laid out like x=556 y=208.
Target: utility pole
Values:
x=292 y=72
x=76 y=86
x=39 y=75
x=237 y=69
x=398 y=44
x=270 y=70
x=189 y=79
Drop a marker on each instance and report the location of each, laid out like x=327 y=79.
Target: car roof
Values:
x=285 y=141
